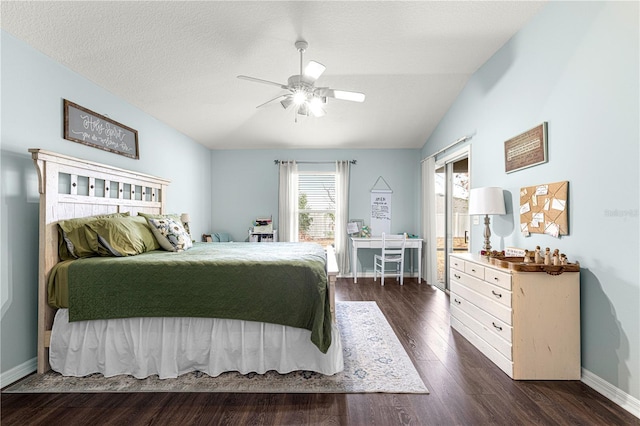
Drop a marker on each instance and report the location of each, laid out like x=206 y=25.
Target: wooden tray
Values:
x=505 y=262
x=517 y=264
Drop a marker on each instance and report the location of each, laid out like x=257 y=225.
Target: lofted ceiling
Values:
x=178 y=61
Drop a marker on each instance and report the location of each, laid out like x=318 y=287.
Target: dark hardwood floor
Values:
x=466 y=388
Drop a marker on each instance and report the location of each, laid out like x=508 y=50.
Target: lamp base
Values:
x=487 y=236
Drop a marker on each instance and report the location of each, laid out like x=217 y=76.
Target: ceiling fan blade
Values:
x=269 y=101
x=314 y=70
x=259 y=80
x=345 y=95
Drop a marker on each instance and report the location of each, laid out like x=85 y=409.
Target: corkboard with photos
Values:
x=543 y=209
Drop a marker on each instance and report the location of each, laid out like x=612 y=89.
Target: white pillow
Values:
x=170 y=234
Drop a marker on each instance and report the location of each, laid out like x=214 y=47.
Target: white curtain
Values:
x=429 y=265
x=288 y=202
x=342 y=216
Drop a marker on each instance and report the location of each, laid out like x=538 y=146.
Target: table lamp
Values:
x=185 y=219
x=486 y=201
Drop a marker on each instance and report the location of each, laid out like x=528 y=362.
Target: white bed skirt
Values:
x=169 y=347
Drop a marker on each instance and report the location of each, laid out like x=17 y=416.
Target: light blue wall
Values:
x=575 y=66
x=245 y=185
x=33 y=87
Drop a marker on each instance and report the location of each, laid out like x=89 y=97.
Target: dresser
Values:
x=527 y=323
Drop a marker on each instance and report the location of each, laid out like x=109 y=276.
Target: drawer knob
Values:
x=496 y=278
x=473 y=270
x=457 y=301
x=457 y=276
x=497 y=327
x=498 y=295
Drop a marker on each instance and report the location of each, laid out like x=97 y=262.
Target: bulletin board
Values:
x=543 y=209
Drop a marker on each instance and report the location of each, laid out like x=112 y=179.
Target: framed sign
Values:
x=527 y=149
x=354 y=226
x=89 y=128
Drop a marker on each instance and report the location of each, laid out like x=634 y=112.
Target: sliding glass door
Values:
x=451 y=181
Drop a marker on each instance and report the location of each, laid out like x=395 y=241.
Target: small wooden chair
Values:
x=392 y=252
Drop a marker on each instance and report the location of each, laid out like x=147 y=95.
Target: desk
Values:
x=376 y=243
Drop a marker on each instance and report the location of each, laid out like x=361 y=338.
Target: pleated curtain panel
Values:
x=343 y=169
x=429 y=265
x=288 y=202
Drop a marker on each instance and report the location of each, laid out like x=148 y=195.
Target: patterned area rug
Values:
x=374 y=361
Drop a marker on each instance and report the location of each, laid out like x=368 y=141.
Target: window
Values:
x=317 y=207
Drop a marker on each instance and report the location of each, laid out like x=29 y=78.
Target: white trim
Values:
x=18 y=372
x=611 y=392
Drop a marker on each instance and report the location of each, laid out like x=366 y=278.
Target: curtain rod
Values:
x=451 y=145
x=276 y=162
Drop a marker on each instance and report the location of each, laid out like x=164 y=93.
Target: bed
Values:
x=207 y=309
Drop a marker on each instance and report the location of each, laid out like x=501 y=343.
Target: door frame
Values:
x=447 y=161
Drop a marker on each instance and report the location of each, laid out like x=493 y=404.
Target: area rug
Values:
x=374 y=361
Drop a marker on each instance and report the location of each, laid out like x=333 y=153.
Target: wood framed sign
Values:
x=89 y=128
x=527 y=149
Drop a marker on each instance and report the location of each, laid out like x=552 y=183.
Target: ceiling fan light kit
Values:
x=303 y=96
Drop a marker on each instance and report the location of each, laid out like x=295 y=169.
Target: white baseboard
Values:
x=611 y=392
x=18 y=372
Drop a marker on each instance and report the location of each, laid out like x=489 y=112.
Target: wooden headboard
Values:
x=71 y=188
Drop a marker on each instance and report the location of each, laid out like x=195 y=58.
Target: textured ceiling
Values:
x=178 y=61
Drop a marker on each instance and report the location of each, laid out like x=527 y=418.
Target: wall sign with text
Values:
x=380 y=212
x=89 y=128
x=527 y=149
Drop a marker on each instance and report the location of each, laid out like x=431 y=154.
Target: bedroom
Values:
x=576 y=64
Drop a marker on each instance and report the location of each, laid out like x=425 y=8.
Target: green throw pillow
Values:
x=72 y=241
x=120 y=236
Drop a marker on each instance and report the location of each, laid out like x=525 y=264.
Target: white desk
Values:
x=376 y=243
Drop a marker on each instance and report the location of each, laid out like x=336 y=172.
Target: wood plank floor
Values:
x=466 y=388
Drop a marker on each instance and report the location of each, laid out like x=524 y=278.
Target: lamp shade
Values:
x=487 y=200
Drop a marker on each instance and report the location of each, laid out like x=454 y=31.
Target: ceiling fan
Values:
x=303 y=96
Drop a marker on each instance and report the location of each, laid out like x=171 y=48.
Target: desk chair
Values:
x=392 y=252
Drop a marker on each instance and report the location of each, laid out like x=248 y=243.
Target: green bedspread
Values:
x=282 y=283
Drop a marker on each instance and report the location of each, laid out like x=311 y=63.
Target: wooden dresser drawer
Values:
x=491 y=323
x=495 y=293
x=485 y=333
x=501 y=279
x=474 y=269
x=456 y=263
x=492 y=353
x=501 y=312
